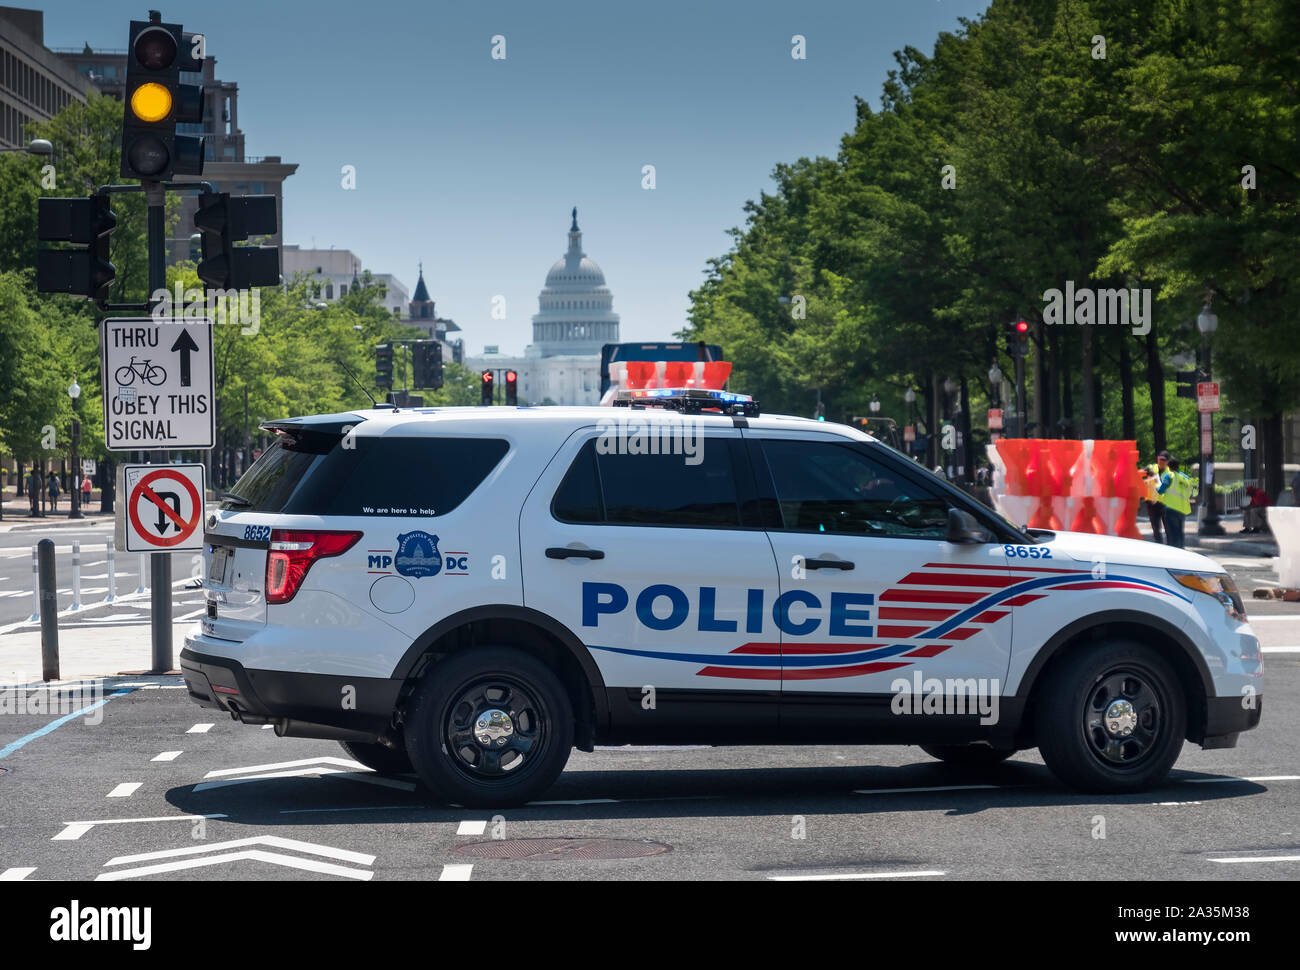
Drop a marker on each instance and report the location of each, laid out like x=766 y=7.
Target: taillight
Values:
x=292 y=553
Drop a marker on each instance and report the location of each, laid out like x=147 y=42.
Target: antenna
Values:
x=364 y=391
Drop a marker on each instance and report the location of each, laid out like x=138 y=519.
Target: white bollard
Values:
x=144 y=565
x=76 y=575
x=36 y=589
x=1284 y=522
x=112 y=574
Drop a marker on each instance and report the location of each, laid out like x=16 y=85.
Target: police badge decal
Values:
x=417 y=554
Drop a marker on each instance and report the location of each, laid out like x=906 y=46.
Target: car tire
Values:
x=379 y=757
x=968 y=755
x=1111 y=718
x=489 y=727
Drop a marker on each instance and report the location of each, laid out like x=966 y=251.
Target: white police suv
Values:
x=469 y=593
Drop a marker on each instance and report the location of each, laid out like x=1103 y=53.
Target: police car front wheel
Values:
x=1111 y=718
x=491 y=726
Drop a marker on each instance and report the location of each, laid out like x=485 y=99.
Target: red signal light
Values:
x=487 y=377
x=1022 y=326
x=511 y=377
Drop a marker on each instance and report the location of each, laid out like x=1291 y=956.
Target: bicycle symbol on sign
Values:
x=148 y=373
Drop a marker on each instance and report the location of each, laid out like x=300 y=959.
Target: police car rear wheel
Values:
x=490 y=726
x=379 y=757
x=968 y=755
x=1112 y=718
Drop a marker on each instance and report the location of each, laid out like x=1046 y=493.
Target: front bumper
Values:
x=1227 y=717
x=304 y=705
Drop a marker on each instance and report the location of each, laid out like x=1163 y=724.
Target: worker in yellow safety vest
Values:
x=1152 y=475
x=1176 y=491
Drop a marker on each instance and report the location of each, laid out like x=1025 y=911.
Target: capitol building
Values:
x=575 y=316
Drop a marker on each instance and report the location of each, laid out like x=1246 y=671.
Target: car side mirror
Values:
x=964 y=528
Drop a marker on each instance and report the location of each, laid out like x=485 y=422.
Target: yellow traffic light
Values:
x=151 y=102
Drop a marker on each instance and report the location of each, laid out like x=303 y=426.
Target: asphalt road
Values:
x=123 y=799
x=16 y=603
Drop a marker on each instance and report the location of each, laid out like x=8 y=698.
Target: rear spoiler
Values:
x=318 y=433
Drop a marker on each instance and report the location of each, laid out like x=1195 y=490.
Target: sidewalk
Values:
x=1231 y=543
x=85 y=652
x=18 y=518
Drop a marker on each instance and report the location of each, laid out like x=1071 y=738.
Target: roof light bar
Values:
x=688 y=399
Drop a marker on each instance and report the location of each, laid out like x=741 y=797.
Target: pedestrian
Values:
x=86 y=486
x=1254 y=515
x=1176 y=495
x=1152 y=476
x=34 y=482
x=53 y=489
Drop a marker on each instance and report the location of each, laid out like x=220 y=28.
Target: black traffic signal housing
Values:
x=426 y=364
x=485 y=398
x=1187 y=381
x=85 y=222
x=383 y=365
x=1018 y=338
x=512 y=389
x=155 y=101
x=222 y=220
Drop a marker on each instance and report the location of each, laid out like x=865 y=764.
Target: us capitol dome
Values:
x=575 y=310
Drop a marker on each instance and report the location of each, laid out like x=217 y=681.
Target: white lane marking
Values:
x=458 y=873
x=200 y=729
x=17 y=874
x=365 y=776
x=258 y=855
x=1206 y=781
x=472 y=827
x=125 y=790
x=1261 y=858
x=268 y=727
x=895 y=791
x=579 y=801
x=166 y=756
x=860 y=875
x=1279 y=649
x=191 y=615
x=275 y=841
x=341 y=762
x=75 y=830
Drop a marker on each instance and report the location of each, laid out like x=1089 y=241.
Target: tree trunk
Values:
x=1129 y=430
x=1273 y=474
x=1156 y=382
x=1040 y=381
x=1053 y=382
x=1089 y=427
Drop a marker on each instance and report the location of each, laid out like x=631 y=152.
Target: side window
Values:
x=578 y=497
x=829 y=487
x=651 y=489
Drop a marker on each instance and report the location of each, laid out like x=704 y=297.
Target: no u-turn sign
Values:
x=162 y=509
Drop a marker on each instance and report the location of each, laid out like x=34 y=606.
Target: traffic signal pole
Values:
x=160 y=563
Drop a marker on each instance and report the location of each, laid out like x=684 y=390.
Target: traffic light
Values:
x=426 y=364
x=223 y=220
x=1018 y=339
x=87 y=222
x=512 y=389
x=383 y=365
x=486 y=398
x=1187 y=381
x=154 y=102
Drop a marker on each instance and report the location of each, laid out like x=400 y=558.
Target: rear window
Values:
x=416 y=476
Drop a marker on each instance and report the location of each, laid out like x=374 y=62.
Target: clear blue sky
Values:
x=472 y=164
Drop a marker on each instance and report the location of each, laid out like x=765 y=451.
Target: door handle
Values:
x=827 y=564
x=562 y=552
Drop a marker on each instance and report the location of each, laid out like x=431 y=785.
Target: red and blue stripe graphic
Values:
x=941 y=602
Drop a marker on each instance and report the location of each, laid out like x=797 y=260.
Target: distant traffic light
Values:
x=1018 y=339
x=383 y=365
x=486 y=393
x=154 y=102
x=1187 y=381
x=820 y=412
x=223 y=220
x=426 y=364
x=512 y=389
x=86 y=222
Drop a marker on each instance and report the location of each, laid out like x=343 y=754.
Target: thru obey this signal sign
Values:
x=162 y=510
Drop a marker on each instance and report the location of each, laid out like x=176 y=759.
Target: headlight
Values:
x=1218 y=585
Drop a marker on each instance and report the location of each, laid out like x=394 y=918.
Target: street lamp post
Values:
x=1207 y=323
x=74 y=392
x=37 y=146
x=874 y=405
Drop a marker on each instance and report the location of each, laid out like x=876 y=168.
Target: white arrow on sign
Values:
x=340 y=768
x=258 y=855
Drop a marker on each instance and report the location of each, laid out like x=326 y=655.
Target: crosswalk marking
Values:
x=125 y=790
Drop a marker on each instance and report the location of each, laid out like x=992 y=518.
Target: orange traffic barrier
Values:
x=1083 y=486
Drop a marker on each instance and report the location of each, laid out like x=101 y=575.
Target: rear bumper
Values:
x=1227 y=717
x=302 y=705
